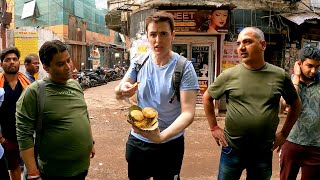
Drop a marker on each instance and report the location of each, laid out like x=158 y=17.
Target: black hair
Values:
x=29 y=58
x=49 y=49
x=309 y=52
x=10 y=50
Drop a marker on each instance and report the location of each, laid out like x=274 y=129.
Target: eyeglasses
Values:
x=10 y=59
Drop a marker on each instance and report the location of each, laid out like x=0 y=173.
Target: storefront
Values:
x=201 y=50
x=200 y=39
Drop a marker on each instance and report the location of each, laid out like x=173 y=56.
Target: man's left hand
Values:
x=279 y=141
x=153 y=136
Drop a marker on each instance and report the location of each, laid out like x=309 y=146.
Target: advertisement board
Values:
x=200 y=58
x=230 y=56
x=27 y=43
x=202 y=21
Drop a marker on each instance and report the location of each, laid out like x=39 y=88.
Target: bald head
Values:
x=259 y=34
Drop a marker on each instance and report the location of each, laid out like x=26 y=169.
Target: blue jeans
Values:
x=233 y=162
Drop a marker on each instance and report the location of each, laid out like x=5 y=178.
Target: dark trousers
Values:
x=81 y=176
x=4 y=174
x=160 y=161
x=294 y=157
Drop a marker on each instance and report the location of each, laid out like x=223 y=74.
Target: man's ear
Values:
x=46 y=68
x=264 y=44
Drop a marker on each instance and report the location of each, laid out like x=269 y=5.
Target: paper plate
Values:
x=151 y=126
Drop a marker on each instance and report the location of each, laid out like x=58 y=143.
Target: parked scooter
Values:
x=95 y=79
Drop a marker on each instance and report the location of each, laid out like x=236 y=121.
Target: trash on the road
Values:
x=91 y=117
x=100 y=164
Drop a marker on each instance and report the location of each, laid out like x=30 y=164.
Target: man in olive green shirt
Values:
x=66 y=143
x=253 y=90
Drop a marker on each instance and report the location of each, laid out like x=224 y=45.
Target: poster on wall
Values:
x=230 y=56
x=27 y=43
x=203 y=86
x=200 y=57
x=213 y=21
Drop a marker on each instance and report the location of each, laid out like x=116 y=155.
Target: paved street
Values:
x=110 y=129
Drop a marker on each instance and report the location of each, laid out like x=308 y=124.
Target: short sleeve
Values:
x=289 y=94
x=189 y=79
x=218 y=87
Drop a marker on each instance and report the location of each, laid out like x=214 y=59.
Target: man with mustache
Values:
x=31 y=63
x=13 y=83
x=66 y=143
x=253 y=90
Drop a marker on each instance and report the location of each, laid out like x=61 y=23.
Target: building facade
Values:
x=80 y=24
x=212 y=52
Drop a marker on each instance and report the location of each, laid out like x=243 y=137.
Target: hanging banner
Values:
x=27 y=43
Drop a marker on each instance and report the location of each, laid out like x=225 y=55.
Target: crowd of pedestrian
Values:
x=45 y=123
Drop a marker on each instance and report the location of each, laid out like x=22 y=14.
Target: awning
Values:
x=301 y=17
x=188 y=3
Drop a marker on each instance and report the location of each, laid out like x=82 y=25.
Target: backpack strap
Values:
x=38 y=126
x=41 y=98
x=141 y=61
x=177 y=76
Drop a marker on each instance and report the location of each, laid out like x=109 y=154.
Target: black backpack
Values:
x=176 y=76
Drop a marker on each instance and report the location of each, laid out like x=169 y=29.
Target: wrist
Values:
x=214 y=128
x=34 y=174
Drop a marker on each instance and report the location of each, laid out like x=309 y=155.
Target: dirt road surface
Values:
x=110 y=131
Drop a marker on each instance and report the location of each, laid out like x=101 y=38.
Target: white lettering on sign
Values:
x=183 y=15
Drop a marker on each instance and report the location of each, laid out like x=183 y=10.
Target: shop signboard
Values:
x=213 y=21
x=26 y=42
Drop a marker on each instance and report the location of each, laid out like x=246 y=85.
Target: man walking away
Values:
x=31 y=63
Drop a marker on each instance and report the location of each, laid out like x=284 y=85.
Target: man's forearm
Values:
x=209 y=110
x=29 y=159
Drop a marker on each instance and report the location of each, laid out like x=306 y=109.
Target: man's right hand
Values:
x=218 y=135
x=127 y=89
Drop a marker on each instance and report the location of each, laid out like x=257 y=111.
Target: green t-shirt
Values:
x=252 y=104
x=66 y=140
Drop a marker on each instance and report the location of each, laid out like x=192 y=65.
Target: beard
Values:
x=9 y=71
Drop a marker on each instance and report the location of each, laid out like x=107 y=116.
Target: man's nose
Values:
x=158 y=38
x=241 y=46
x=314 y=70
